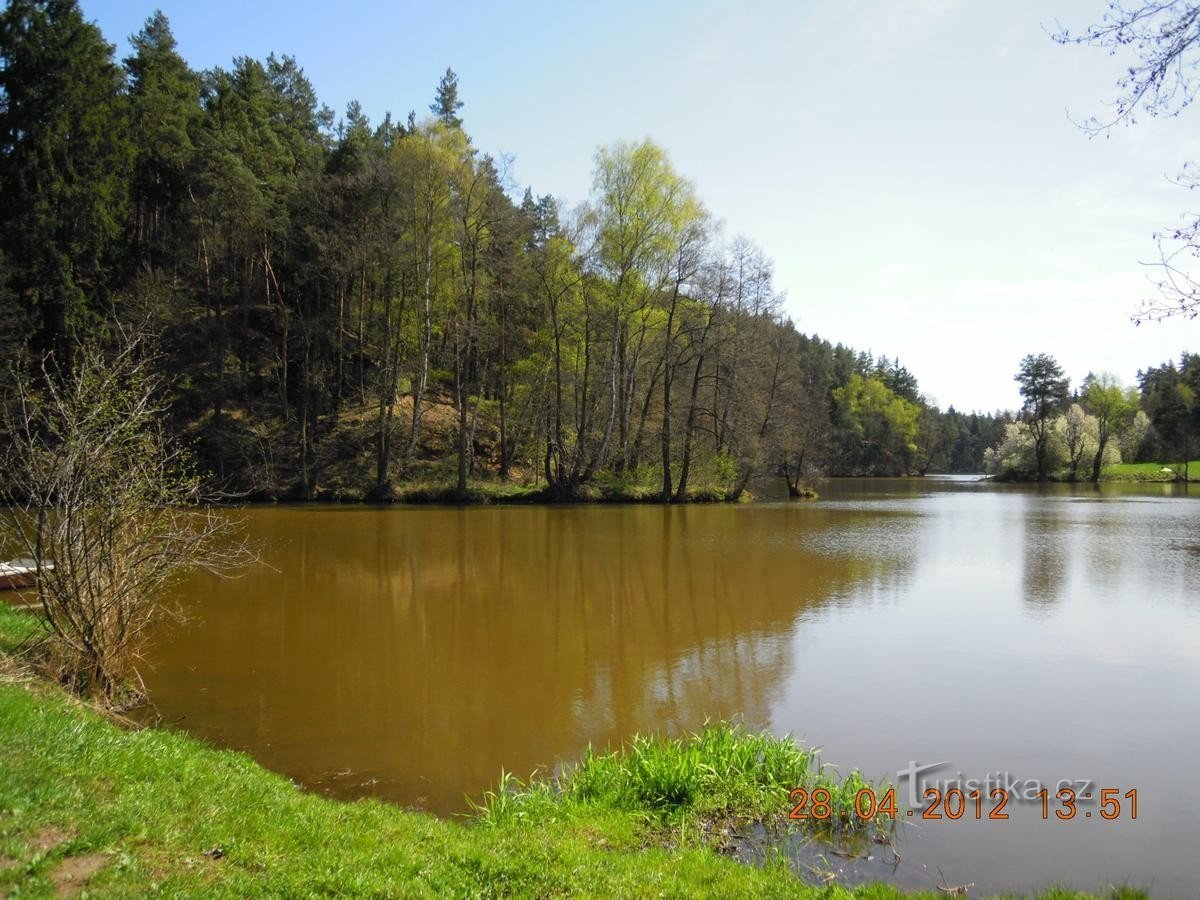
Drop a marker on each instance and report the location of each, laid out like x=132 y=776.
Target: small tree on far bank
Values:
x=1114 y=407
x=1013 y=457
x=106 y=507
x=1077 y=437
x=1044 y=388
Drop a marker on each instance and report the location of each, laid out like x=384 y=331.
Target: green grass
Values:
x=16 y=628
x=681 y=785
x=1124 y=472
x=1148 y=472
x=155 y=811
x=166 y=813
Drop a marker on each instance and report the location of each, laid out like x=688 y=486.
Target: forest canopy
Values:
x=346 y=307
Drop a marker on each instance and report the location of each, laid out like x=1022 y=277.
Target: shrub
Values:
x=105 y=506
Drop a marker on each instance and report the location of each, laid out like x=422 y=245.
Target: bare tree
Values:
x=105 y=505
x=803 y=436
x=1158 y=42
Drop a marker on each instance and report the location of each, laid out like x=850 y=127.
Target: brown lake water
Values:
x=1049 y=634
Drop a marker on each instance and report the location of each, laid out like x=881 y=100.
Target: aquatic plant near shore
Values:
x=721 y=772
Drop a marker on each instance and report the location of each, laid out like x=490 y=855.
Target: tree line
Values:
x=1072 y=435
x=343 y=306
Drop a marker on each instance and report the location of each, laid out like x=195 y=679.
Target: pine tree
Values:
x=64 y=164
x=446 y=103
x=1045 y=389
x=164 y=111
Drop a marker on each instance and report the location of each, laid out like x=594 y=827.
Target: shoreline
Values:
x=179 y=816
x=488 y=493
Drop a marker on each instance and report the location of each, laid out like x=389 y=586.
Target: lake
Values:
x=1047 y=633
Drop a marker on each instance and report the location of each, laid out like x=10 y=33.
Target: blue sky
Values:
x=910 y=166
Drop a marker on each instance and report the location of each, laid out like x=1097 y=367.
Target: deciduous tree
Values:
x=1113 y=406
x=101 y=499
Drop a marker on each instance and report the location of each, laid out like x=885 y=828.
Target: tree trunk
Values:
x=460 y=489
x=426 y=337
x=502 y=384
x=1099 y=458
x=475 y=423
x=387 y=398
x=339 y=344
x=668 y=378
x=689 y=435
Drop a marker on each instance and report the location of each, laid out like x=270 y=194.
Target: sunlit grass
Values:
x=721 y=771
x=17 y=627
x=1151 y=471
x=163 y=813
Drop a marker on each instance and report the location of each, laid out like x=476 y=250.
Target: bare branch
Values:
x=106 y=506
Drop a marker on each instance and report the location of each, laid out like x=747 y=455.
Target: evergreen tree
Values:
x=1044 y=387
x=164 y=111
x=318 y=292
x=1169 y=396
x=13 y=326
x=64 y=163
x=446 y=103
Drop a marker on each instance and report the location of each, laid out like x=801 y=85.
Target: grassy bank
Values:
x=698 y=784
x=85 y=803
x=1149 y=472
x=1124 y=472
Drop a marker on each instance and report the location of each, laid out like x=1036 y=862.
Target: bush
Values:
x=104 y=505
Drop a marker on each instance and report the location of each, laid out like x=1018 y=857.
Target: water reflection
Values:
x=412 y=653
x=1044 y=552
x=1050 y=632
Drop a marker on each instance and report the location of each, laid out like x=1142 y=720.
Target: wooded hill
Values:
x=345 y=307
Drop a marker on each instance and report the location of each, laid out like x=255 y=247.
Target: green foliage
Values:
x=64 y=165
x=969 y=436
x=1044 y=389
x=164 y=112
x=720 y=469
x=883 y=425
x=720 y=771
x=632 y=484
x=1043 y=385
x=330 y=296
x=1169 y=395
x=1107 y=399
x=446 y=104
x=1152 y=471
x=642 y=204
x=1092 y=440
x=170 y=803
x=1114 y=409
